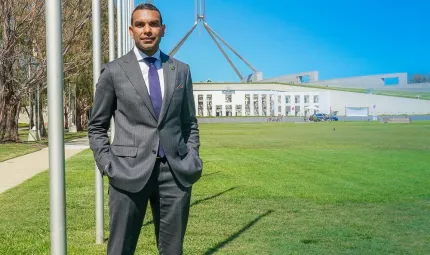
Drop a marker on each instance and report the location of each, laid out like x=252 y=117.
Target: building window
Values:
x=287 y=110
x=239 y=110
x=209 y=104
x=228 y=110
x=279 y=99
x=264 y=104
x=287 y=99
x=247 y=99
x=256 y=105
x=200 y=105
x=307 y=99
x=316 y=99
x=297 y=110
x=272 y=105
x=297 y=99
x=228 y=98
x=219 y=110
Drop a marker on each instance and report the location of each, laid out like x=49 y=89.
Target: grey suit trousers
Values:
x=170 y=203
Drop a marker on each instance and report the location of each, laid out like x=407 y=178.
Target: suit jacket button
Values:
x=153 y=152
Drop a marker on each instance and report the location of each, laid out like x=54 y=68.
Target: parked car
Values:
x=323 y=117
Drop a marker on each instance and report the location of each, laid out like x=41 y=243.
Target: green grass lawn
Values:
x=268 y=188
x=13 y=150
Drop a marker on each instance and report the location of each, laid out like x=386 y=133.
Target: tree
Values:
x=22 y=46
x=419 y=78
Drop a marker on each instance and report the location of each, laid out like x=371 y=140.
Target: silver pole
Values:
x=56 y=123
x=231 y=48
x=182 y=41
x=131 y=13
x=119 y=27
x=111 y=30
x=128 y=24
x=124 y=26
x=127 y=14
x=38 y=112
x=111 y=50
x=97 y=59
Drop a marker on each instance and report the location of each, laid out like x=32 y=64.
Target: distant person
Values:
x=154 y=156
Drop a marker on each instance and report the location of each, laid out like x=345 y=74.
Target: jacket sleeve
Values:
x=190 y=129
x=101 y=114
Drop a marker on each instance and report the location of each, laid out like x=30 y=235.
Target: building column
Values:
x=213 y=106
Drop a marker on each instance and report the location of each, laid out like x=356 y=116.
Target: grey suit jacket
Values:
x=121 y=92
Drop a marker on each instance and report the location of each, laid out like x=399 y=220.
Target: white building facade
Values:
x=255 y=102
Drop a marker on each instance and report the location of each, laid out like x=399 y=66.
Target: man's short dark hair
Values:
x=150 y=7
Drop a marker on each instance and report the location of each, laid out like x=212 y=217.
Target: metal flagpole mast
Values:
x=54 y=54
x=97 y=59
x=111 y=51
x=124 y=26
x=129 y=20
x=119 y=26
x=200 y=12
x=111 y=10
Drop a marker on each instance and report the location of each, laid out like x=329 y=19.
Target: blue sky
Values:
x=337 y=38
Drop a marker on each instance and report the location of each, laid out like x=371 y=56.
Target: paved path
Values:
x=17 y=170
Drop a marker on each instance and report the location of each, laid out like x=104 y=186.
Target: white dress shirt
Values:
x=144 y=68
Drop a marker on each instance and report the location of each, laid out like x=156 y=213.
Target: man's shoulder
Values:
x=116 y=61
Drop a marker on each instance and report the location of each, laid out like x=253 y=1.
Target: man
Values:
x=155 y=152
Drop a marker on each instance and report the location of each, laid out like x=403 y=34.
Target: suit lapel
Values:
x=169 y=73
x=131 y=68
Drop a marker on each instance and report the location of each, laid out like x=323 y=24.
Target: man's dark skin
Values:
x=147 y=30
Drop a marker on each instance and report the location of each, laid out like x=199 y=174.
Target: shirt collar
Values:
x=140 y=55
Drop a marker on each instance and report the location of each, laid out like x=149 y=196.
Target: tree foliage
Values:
x=23 y=53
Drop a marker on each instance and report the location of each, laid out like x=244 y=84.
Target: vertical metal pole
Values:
x=119 y=27
x=123 y=14
x=125 y=26
x=111 y=30
x=133 y=5
x=56 y=123
x=111 y=52
x=126 y=34
x=97 y=59
x=38 y=111
x=130 y=10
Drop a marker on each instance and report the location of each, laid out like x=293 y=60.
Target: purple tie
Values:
x=155 y=91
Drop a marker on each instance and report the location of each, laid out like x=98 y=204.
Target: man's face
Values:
x=147 y=30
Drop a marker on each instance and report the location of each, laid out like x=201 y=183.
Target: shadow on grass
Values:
x=237 y=234
x=205 y=175
x=211 y=197
x=198 y=202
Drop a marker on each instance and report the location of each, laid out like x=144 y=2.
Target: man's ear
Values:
x=130 y=29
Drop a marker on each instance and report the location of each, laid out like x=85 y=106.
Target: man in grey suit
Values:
x=154 y=155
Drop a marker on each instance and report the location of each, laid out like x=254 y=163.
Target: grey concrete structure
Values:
x=298 y=78
x=390 y=81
